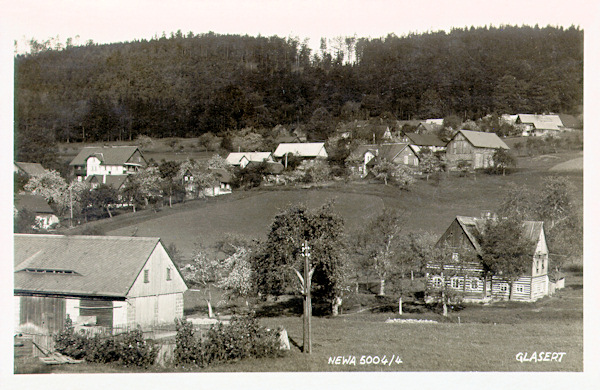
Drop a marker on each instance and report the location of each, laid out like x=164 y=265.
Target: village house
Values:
x=424 y=141
x=221 y=184
x=241 y=159
x=476 y=147
x=397 y=153
x=534 y=125
x=306 y=150
x=45 y=218
x=469 y=278
x=364 y=129
x=107 y=161
x=110 y=282
x=115 y=181
x=428 y=128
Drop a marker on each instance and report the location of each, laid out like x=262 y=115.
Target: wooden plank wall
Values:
x=47 y=313
x=102 y=310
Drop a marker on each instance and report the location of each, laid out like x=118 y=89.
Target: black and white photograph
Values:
x=293 y=194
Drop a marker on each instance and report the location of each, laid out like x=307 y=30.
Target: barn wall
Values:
x=47 y=313
x=102 y=310
x=157 y=283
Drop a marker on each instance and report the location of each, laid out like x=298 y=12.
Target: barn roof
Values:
x=474 y=226
x=430 y=127
x=109 y=155
x=79 y=265
x=542 y=122
x=31 y=169
x=425 y=140
x=307 y=149
x=480 y=139
x=569 y=121
x=33 y=203
x=236 y=157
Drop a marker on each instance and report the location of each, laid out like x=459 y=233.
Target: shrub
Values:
x=70 y=343
x=244 y=337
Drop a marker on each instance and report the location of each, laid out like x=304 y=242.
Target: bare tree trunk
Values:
x=335 y=306
x=109 y=213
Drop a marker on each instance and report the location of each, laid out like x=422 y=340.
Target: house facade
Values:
x=534 y=125
x=107 y=161
x=476 y=147
x=45 y=218
x=242 y=159
x=468 y=277
x=397 y=153
x=109 y=282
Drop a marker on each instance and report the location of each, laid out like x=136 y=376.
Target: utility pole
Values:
x=71 y=204
x=305 y=285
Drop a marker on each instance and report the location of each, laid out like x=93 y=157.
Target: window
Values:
x=146 y=276
x=168 y=273
x=455 y=283
x=455 y=257
x=504 y=287
x=520 y=289
x=474 y=284
x=437 y=281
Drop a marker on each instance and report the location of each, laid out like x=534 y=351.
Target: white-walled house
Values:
x=112 y=282
x=107 y=161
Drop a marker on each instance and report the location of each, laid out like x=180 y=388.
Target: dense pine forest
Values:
x=187 y=85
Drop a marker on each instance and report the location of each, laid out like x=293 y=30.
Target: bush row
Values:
x=128 y=349
x=242 y=338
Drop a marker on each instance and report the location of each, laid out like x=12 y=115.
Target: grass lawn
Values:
x=427 y=206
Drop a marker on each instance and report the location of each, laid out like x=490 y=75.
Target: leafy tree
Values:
x=377 y=246
x=24 y=221
x=169 y=184
x=315 y=171
x=519 y=202
x=555 y=203
x=236 y=274
x=388 y=172
x=505 y=252
x=429 y=163
x=503 y=160
x=279 y=255
x=52 y=187
x=202 y=270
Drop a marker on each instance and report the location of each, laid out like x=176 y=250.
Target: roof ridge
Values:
x=82 y=236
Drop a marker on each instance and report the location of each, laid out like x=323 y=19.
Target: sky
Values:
x=105 y=21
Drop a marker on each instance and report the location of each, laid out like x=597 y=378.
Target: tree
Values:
x=52 y=187
x=429 y=163
x=202 y=270
x=398 y=174
x=376 y=246
x=519 y=202
x=24 y=221
x=555 y=202
x=169 y=184
x=279 y=255
x=503 y=160
x=236 y=274
x=505 y=252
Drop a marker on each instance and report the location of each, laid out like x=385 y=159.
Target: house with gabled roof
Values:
x=476 y=147
x=305 y=150
x=469 y=277
x=115 y=181
x=107 y=161
x=397 y=153
x=111 y=282
x=241 y=159
x=539 y=125
x=424 y=141
x=45 y=217
x=428 y=128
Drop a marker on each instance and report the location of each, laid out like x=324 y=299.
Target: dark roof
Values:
x=480 y=139
x=114 y=181
x=109 y=155
x=472 y=226
x=569 y=121
x=33 y=203
x=31 y=169
x=273 y=167
x=100 y=265
x=430 y=127
x=222 y=175
x=425 y=140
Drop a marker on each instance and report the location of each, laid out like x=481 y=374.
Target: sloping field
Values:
x=575 y=165
x=250 y=217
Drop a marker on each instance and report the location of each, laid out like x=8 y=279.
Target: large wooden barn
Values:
x=476 y=147
x=112 y=282
x=469 y=279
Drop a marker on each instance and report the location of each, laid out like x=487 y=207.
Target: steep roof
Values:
x=31 y=169
x=542 y=122
x=430 y=127
x=83 y=265
x=222 y=175
x=425 y=140
x=569 y=121
x=480 y=139
x=33 y=203
x=109 y=155
x=473 y=226
x=307 y=149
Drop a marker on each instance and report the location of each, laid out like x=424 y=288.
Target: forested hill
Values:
x=188 y=85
